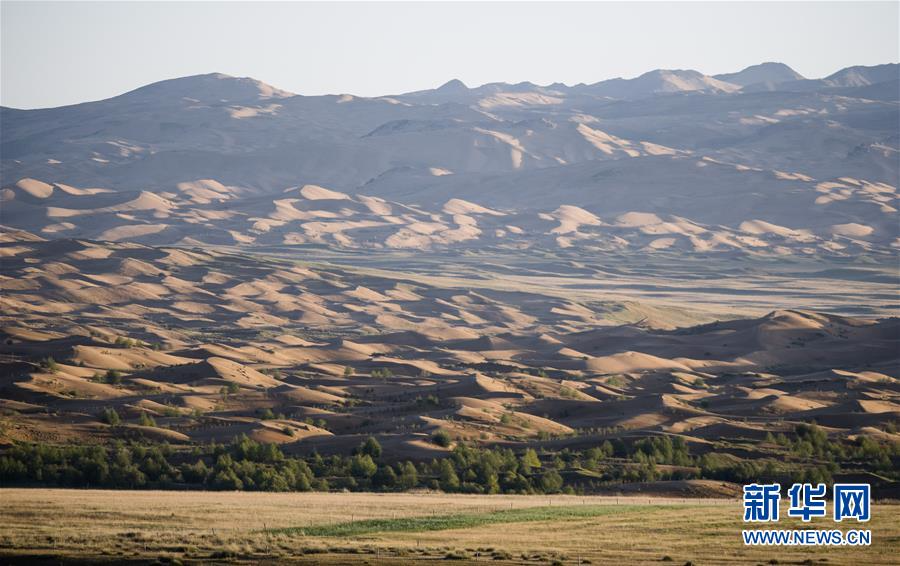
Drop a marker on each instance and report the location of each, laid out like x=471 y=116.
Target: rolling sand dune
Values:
x=708 y=262
x=314 y=192
x=627 y=362
x=338 y=353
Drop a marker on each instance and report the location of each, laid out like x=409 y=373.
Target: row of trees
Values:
x=812 y=442
x=249 y=465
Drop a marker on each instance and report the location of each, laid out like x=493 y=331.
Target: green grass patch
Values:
x=467 y=520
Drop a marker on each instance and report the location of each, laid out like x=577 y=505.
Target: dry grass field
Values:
x=81 y=526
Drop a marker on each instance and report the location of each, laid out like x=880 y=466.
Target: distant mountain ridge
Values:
x=661 y=82
x=761 y=163
x=764 y=76
x=764 y=73
x=863 y=76
x=225 y=88
x=210 y=87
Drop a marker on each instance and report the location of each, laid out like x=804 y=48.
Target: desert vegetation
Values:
x=249 y=465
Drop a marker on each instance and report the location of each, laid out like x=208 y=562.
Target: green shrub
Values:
x=110 y=417
x=442 y=438
x=50 y=364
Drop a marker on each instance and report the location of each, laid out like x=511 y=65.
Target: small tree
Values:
x=442 y=438
x=409 y=477
x=146 y=420
x=385 y=478
x=348 y=371
x=362 y=466
x=113 y=376
x=551 y=482
x=110 y=417
x=371 y=447
x=530 y=460
x=448 y=480
x=227 y=480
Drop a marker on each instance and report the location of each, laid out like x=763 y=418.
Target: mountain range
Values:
x=758 y=162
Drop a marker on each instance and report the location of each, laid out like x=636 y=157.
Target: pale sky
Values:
x=56 y=53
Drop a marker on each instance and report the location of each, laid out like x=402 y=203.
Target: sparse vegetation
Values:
x=568 y=393
x=50 y=365
x=146 y=420
x=110 y=417
x=126 y=342
x=371 y=447
x=382 y=373
x=113 y=376
x=442 y=438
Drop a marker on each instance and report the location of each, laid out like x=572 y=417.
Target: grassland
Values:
x=462 y=520
x=47 y=526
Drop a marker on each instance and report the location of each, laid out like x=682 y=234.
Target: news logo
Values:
x=806 y=502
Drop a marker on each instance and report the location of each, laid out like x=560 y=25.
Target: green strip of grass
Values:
x=466 y=520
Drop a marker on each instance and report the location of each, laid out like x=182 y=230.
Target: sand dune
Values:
x=519 y=266
x=35 y=188
x=349 y=347
x=315 y=192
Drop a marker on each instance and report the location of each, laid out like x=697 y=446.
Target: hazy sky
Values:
x=62 y=53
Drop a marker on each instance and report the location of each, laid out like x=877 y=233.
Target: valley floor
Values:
x=43 y=526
